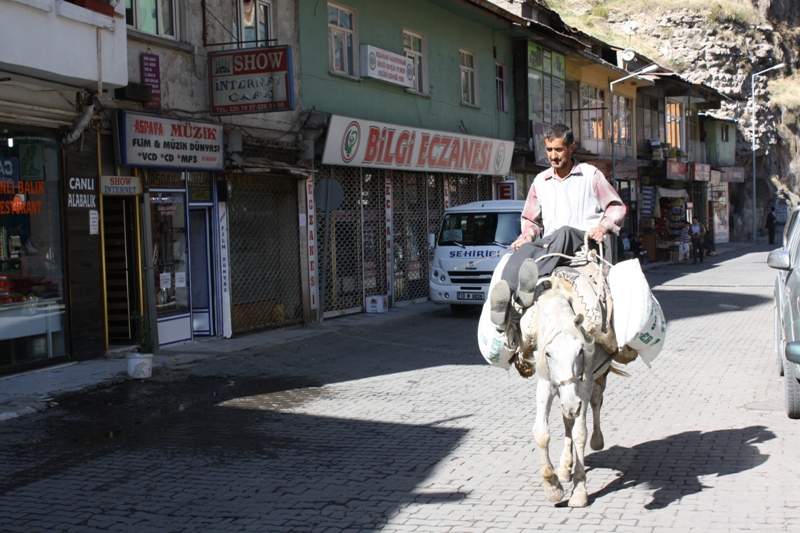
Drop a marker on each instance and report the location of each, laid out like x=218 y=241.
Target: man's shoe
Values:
x=499 y=298
x=526 y=286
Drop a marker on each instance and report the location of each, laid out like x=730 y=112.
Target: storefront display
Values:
x=169 y=252
x=32 y=305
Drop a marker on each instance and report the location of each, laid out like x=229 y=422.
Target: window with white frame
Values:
x=593 y=109
x=501 y=86
x=468 y=64
x=341 y=40
x=725 y=133
x=252 y=22
x=156 y=17
x=623 y=121
x=414 y=47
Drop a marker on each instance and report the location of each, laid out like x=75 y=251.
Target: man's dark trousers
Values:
x=566 y=240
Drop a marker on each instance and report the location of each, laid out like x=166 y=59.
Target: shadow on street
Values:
x=672 y=466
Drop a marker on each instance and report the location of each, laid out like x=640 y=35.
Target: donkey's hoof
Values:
x=564 y=475
x=553 y=490
x=597 y=443
x=579 y=499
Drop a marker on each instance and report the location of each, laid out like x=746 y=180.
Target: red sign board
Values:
x=676 y=170
x=151 y=75
x=255 y=80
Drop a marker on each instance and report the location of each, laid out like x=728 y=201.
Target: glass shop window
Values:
x=32 y=306
x=168 y=218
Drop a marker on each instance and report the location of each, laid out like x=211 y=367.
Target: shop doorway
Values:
x=119 y=238
x=202 y=300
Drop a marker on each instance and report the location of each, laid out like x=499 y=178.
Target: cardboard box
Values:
x=377 y=304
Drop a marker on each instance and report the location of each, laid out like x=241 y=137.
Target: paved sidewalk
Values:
x=33 y=391
x=29 y=392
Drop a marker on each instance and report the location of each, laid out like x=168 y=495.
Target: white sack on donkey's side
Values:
x=638 y=319
x=492 y=343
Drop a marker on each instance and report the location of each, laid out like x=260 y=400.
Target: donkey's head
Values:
x=565 y=352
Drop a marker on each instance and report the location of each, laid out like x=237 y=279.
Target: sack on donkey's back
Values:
x=638 y=319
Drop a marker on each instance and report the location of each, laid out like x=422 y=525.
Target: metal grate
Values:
x=264 y=251
x=465 y=189
x=357 y=252
x=410 y=229
x=343 y=263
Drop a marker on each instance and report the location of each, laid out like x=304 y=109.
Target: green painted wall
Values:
x=720 y=153
x=381 y=23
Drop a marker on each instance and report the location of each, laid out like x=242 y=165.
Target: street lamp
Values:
x=648 y=68
x=753 y=89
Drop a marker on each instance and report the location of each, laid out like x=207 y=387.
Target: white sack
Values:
x=638 y=319
x=492 y=344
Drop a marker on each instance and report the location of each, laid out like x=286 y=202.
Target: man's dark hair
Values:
x=560 y=131
x=772 y=209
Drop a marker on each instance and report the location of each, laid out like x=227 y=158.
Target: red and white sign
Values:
x=255 y=80
x=701 y=172
x=160 y=142
x=676 y=170
x=387 y=66
x=364 y=143
x=312 y=242
x=506 y=190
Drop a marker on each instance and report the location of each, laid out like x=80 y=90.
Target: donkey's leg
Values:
x=579 y=496
x=597 y=442
x=541 y=432
x=565 y=465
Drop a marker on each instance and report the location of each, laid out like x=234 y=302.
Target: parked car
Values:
x=787 y=310
x=29 y=276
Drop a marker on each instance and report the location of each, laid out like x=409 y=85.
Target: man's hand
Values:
x=597 y=234
x=522 y=239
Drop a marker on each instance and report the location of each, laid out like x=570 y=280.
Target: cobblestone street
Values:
x=395 y=423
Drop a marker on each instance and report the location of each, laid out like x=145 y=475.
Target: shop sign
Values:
x=387 y=66
x=256 y=80
x=701 y=172
x=165 y=180
x=676 y=170
x=200 y=187
x=120 y=185
x=9 y=168
x=82 y=193
x=716 y=177
x=151 y=75
x=363 y=143
x=733 y=174
x=506 y=190
x=161 y=142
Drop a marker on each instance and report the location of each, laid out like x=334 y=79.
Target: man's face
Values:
x=559 y=154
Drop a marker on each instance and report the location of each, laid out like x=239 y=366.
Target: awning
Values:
x=673 y=193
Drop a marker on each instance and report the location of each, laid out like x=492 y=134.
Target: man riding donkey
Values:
x=568 y=205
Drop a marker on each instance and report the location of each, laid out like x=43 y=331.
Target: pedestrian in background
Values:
x=771 y=225
x=686 y=241
x=698 y=240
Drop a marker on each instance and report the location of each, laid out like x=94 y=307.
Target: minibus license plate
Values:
x=469 y=296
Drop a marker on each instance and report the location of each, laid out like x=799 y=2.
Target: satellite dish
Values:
x=628 y=54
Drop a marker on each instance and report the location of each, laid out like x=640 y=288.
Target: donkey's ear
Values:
x=578 y=319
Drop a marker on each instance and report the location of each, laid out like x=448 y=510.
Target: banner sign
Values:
x=676 y=170
x=732 y=174
x=255 y=80
x=120 y=185
x=161 y=142
x=364 y=143
x=387 y=66
x=701 y=172
x=151 y=75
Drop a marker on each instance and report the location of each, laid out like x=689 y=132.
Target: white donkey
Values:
x=566 y=366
